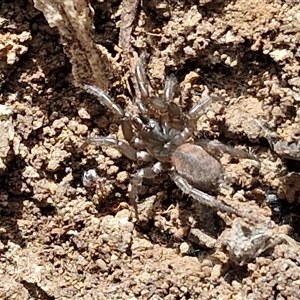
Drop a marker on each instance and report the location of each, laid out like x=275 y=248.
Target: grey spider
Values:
x=162 y=132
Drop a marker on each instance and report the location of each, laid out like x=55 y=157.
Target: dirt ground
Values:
x=63 y=239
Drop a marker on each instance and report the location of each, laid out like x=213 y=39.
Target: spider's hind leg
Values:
x=217 y=148
x=207 y=199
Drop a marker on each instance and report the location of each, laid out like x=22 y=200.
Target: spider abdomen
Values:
x=199 y=168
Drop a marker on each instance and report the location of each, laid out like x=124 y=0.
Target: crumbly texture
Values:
x=61 y=239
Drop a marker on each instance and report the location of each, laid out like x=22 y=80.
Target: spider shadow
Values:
x=189 y=214
x=12 y=198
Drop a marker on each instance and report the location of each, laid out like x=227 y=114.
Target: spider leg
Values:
x=137 y=180
x=204 y=198
x=124 y=148
x=197 y=111
x=271 y=137
x=142 y=102
x=105 y=99
x=216 y=148
x=199 y=108
x=170 y=88
x=116 y=109
x=169 y=111
x=155 y=102
x=163 y=104
x=166 y=104
x=141 y=78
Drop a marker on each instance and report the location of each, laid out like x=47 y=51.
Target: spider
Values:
x=161 y=132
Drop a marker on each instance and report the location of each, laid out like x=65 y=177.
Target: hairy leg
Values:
x=116 y=109
x=105 y=99
x=124 y=148
x=137 y=180
x=206 y=199
x=216 y=148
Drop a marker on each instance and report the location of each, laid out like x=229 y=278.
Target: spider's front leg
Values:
x=104 y=99
x=141 y=78
x=165 y=104
x=107 y=141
